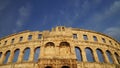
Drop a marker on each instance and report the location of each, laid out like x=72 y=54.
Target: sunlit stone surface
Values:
x=62 y=47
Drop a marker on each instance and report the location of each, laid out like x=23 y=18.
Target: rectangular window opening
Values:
x=5 y=43
x=95 y=38
x=110 y=42
x=74 y=36
x=21 y=38
x=39 y=36
x=103 y=40
x=30 y=37
x=85 y=37
x=12 y=41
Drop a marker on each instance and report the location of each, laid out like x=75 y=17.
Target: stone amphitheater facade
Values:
x=62 y=47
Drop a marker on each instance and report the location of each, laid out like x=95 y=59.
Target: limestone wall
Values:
x=59 y=44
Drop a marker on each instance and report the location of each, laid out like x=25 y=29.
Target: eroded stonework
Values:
x=62 y=47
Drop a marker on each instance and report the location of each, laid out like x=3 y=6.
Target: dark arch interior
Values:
x=48 y=67
x=65 y=67
x=64 y=44
x=50 y=44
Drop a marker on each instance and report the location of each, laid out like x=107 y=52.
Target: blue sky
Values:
x=98 y=15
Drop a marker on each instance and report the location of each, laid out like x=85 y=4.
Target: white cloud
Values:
x=114 y=32
x=114 y=8
x=78 y=10
x=24 y=13
x=19 y=23
x=107 y=13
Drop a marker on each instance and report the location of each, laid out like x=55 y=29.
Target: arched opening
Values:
x=26 y=54
x=65 y=67
x=78 y=53
x=48 y=67
x=64 y=48
x=16 y=54
x=89 y=55
x=109 y=55
x=36 y=54
x=100 y=55
x=7 y=55
x=64 y=44
x=49 y=48
x=49 y=44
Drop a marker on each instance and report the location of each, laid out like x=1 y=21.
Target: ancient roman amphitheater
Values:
x=62 y=47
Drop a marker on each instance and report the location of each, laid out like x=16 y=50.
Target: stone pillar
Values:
x=95 y=55
x=114 y=58
x=57 y=53
x=73 y=54
x=11 y=56
x=20 y=57
x=105 y=57
x=2 y=58
x=90 y=37
x=41 y=55
x=31 y=57
x=84 y=59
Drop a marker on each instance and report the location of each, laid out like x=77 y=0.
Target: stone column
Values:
x=20 y=57
x=114 y=58
x=73 y=55
x=31 y=57
x=99 y=39
x=95 y=55
x=41 y=55
x=11 y=56
x=105 y=57
x=57 y=49
x=84 y=59
x=2 y=58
